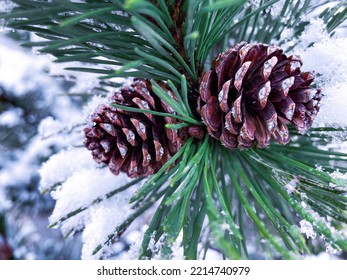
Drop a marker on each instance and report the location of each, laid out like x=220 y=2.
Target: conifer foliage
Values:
x=206 y=124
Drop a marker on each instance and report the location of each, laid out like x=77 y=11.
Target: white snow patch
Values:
x=104 y=219
x=314 y=32
x=82 y=188
x=49 y=127
x=276 y=8
x=64 y=164
x=11 y=118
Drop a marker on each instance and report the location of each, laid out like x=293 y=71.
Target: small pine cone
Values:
x=252 y=92
x=138 y=144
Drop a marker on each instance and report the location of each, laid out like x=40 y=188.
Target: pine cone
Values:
x=138 y=144
x=252 y=92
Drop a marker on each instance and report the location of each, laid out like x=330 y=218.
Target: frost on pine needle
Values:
x=307 y=228
x=292 y=185
x=330 y=249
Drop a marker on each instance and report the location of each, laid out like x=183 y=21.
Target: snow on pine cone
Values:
x=138 y=144
x=252 y=92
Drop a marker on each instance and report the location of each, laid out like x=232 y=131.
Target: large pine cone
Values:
x=252 y=92
x=138 y=144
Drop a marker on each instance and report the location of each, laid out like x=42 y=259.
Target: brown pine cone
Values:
x=252 y=92
x=138 y=144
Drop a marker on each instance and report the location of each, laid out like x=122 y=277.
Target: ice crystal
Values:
x=307 y=228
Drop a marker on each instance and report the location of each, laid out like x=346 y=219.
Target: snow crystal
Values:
x=307 y=228
x=136 y=238
x=314 y=32
x=177 y=248
x=333 y=106
x=341 y=179
x=254 y=3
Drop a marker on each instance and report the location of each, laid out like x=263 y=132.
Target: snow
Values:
x=50 y=127
x=292 y=185
x=106 y=216
x=103 y=221
x=91 y=106
x=10 y=118
x=276 y=8
x=321 y=257
x=6 y=6
x=330 y=249
x=327 y=57
x=20 y=172
x=17 y=65
x=82 y=181
x=64 y=164
x=82 y=188
x=4 y=202
x=307 y=228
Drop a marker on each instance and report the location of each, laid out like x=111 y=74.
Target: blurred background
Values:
x=33 y=89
